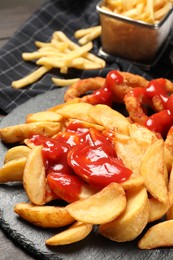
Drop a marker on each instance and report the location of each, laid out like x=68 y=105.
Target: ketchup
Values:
x=161 y=121
x=104 y=95
x=97 y=167
x=77 y=156
x=156 y=88
x=65 y=186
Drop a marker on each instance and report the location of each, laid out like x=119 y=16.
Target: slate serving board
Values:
x=31 y=238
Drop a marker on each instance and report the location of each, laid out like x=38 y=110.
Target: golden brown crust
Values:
x=82 y=86
x=119 y=90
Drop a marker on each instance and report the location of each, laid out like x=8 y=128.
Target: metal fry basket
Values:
x=131 y=39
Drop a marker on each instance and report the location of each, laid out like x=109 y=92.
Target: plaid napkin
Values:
x=67 y=16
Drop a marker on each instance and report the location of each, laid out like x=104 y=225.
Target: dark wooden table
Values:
x=13 y=13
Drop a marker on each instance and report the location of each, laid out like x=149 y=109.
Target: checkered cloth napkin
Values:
x=67 y=16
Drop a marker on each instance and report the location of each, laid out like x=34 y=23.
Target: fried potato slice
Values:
x=102 y=207
x=169 y=213
x=16 y=152
x=17 y=133
x=157 y=209
x=74 y=233
x=142 y=136
x=153 y=171
x=76 y=111
x=129 y=151
x=159 y=235
x=107 y=117
x=56 y=107
x=34 y=177
x=44 y=216
x=86 y=124
x=134 y=181
x=168 y=149
x=132 y=220
x=13 y=170
x=49 y=116
x=170 y=186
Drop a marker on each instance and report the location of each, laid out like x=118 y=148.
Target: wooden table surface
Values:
x=13 y=13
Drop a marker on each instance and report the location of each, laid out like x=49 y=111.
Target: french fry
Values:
x=82 y=32
x=34 y=177
x=62 y=46
x=39 y=54
x=47 y=216
x=60 y=35
x=53 y=54
x=102 y=207
x=64 y=82
x=90 y=36
x=133 y=219
x=31 y=78
x=40 y=44
x=78 y=52
x=159 y=14
x=67 y=60
x=148 y=11
x=74 y=233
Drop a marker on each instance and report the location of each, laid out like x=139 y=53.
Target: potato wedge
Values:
x=129 y=151
x=107 y=117
x=56 y=107
x=168 y=149
x=17 y=133
x=86 y=124
x=134 y=181
x=101 y=207
x=157 y=209
x=159 y=235
x=34 y=177
x=169 y=213
x=74 y=233
x=170 y=186
x=153 y=171
x=49 y=116
x=16 y=152
x=133 y=219
x=44 y=216
x=76 y=110
x=13 y=170
x=142 y=136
